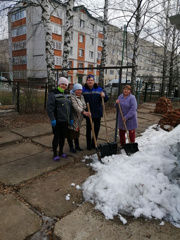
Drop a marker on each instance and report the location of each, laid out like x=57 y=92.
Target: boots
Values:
x=77 y=147
x=71 y=149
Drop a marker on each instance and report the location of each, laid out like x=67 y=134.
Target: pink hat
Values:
x=63 y=80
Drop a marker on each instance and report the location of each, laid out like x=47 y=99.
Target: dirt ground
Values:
x=27 y=119
x=22 y=120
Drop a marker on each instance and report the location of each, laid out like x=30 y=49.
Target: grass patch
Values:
x=6 y=98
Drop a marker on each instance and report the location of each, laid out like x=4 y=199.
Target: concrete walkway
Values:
x=34 y=189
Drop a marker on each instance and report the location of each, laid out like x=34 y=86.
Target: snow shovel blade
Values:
x=107 y=149
x=130 y=148
x=112 y=148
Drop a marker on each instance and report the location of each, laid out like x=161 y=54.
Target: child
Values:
x=59 y=112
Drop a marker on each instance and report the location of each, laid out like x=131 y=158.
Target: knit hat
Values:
x=77 y=86
x=90 y=76
x=63 y=80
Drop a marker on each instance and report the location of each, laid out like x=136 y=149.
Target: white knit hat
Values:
x=63 y=80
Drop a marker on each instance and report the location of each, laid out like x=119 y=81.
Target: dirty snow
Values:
x=146 y=183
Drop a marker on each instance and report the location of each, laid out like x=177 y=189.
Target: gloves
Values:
x=71 y=122
x=53 y=123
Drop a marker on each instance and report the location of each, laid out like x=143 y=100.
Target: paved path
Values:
x=33 y=189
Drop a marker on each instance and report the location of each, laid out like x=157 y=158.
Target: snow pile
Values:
x=146 y=183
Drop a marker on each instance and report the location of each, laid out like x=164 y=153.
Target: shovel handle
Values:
x=104 y=113
x=124 y=122
x=92 y=126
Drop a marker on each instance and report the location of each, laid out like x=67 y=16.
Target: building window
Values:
x=23 y=60
x=71 y=51
x=90 y=54
x=100 y=29
x=18 y=15
x=82 y=24
x=70 y=64
x=19 y=31
x=90 y=66
x=69 y=79
x=56 y=12
x=99 y=55
x=19 y=60
x=100 y=42
x=81 y=38
x=57 y=29
x=57 y=45
x=92 y=27
x=19 y=45
x=91 y=41
x=111 y=72
x=81 y=52
x=57 y=60
x=80 y=65
x=113 y=51
x=19 y=75
x=80 y=80
x=71 y=35
x=71 y=21
x=112 y=62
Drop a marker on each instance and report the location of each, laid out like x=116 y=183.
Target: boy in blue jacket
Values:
x=59 y=112
x=93 y=95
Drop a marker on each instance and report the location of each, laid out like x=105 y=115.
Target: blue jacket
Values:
x=93 y=97
x=129 y=109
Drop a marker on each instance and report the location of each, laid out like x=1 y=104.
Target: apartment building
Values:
x=120 y=50
x=27 y=42
x=27 y=45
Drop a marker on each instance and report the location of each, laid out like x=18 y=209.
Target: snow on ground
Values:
x=146 y=183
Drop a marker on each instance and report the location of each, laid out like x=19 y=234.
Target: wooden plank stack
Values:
x=171 y=117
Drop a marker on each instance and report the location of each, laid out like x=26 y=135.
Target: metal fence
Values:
x=32 y=96
x=26 y=96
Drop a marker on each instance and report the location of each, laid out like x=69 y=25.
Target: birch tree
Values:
x=136 y=45
x=67 y=36
x=166 y=5
x=172 y=59
x=45 y=4
x=104 y=51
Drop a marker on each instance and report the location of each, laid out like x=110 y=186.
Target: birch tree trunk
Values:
x=48 y=43
x=171 y=68
x=104 y=51
x=165 y=57
x=67 y=36
x=135 y=47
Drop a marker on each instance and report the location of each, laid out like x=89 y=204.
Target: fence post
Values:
x=18 y=93
x=146 y=84
x=137 y=85
x=45 y=97
x=151 y=91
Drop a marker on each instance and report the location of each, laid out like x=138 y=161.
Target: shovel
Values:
x=92 y=128
x=128 y=147
x=109 y=148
